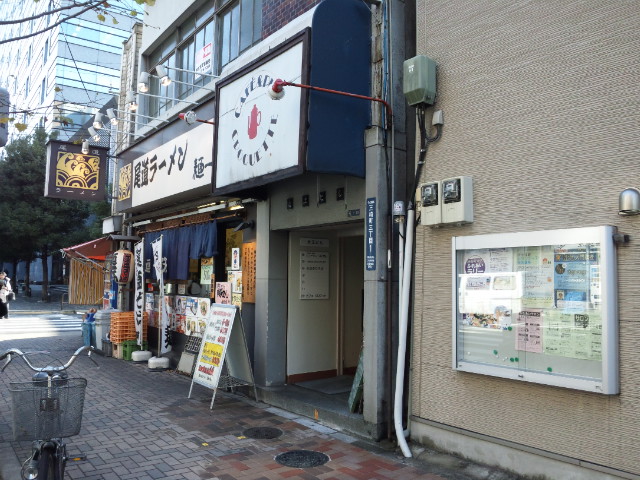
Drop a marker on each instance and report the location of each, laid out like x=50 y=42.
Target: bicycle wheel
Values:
x=50 y=465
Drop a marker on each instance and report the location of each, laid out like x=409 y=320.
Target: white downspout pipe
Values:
x=402 y=331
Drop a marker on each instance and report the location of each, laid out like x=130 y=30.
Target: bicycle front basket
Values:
x=42 y=413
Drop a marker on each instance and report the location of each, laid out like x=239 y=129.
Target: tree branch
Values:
x=48 y=12
x=86 y=9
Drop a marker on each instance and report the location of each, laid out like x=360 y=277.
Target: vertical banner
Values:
x=163 y=321
x=138 y=307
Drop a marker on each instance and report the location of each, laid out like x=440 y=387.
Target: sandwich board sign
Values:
x=223 y=340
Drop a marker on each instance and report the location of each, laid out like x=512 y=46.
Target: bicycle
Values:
x=45 y=410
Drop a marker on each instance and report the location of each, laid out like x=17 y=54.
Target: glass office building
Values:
x=61 y=66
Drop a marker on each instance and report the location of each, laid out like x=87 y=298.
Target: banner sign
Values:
x=138 y=307
x=163 y=321
x=73 y=175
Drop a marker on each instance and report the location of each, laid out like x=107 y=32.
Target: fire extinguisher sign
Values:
x=370 y=247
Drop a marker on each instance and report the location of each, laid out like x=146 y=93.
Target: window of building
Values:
x=240 y=27
x=90 y=34
x=29 y=55
x=43 y=90
x=45 y=52
x=26 y=87
x=86 y=75
x=204 y=43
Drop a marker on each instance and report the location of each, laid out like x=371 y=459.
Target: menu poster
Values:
x=235 y=279
x=205 y=274
x=223 y=293
x=236 y=299
x=249 y=272
x=214 y=345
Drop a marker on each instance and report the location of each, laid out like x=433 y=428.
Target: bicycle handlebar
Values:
x=48 y=369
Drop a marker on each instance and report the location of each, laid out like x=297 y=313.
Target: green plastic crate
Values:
x=130 y=346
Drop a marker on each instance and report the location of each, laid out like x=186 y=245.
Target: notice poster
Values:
x=235 y=259
x=573 y=335
x=214 y=345
x=536 y=265
x=181 y=305
x=529 y=331
x=314 y=275
x=488 y=260
x=572 y=269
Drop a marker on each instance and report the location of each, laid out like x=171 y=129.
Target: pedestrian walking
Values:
x=6 y=295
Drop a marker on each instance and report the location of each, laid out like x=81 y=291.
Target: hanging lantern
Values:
x=124 y=266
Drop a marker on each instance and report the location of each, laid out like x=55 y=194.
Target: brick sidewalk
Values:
x=140 y=425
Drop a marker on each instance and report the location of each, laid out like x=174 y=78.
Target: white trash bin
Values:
x=103 y=325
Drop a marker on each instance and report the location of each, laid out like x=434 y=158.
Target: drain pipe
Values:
x=406 y=274
x=402 y=331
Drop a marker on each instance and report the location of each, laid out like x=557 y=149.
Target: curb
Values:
x=42 y=312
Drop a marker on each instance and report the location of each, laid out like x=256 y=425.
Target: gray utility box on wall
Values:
x=419 y=80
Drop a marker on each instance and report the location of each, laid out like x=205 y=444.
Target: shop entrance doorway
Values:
x=325 y=304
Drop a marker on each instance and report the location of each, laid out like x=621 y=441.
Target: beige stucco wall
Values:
x=541 y=106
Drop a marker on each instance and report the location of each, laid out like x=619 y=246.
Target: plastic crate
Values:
x=130 y=346
x=123 y=326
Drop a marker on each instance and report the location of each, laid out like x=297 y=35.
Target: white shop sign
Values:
x=177 y=166
x=257 y=135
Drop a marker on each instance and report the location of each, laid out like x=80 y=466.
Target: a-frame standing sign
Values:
x=223 y=344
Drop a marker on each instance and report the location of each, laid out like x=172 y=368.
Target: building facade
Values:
x=292 y=192
x=524 y=331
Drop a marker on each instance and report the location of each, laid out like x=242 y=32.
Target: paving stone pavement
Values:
x=139 y=424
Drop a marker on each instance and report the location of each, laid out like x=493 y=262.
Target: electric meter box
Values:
x=419 y=80
x=429 y=201
x=457 y=200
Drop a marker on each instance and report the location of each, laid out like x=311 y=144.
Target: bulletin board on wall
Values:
x=538 y=307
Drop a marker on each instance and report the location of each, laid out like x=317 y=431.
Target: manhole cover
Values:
x=302 y=459
x=262 y=433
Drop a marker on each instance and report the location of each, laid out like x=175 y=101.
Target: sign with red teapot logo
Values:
x=257 y=137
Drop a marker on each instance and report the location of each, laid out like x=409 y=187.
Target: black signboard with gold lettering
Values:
x=74 y=175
